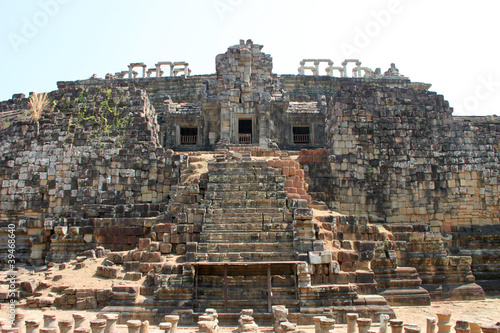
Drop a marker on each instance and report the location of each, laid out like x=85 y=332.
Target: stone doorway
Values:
x=245 y=131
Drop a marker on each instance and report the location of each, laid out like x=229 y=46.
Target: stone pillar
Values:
x=280 y=313
x=144 y=327
x=32 y=325
x=19 y=322
x=396 y=325
x=111 y=319
x=10 y=330
x=317 y=323
x=98 y=325
x=166 y=327
x=134 y=326
x=475 y=328
x=490 y=329
x=327 y=325
x=351 y=322
x=364 y=325
x=384 y=320
x=82 y=330
x=174 y=320
x=79 y=319
x=443 y=324
x=412 y=329
x=431 y=325
x=65 y=325
x=462 y=326
x=48 y=330
x=49 y=320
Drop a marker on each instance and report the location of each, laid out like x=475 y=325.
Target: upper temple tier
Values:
x=245 y=103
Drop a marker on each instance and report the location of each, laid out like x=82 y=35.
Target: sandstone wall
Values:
x=97 y=155
x=398 y=155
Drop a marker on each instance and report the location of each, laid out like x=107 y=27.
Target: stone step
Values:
x=245 y=256
x=244 y=178
x=247 y=219
x=242 y=237
x=244 y=292
x=234 y=225
x=235 y=306
x=245 y=247
x=237 y=211
x=216 y=282
x=251 y=203
x=245 y=195
x=254 y=186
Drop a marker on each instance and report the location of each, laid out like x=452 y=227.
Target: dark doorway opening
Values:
x=245 y=131
x=301 y=134
x=189 y=135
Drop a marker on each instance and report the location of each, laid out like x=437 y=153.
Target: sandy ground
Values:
x=486 y=312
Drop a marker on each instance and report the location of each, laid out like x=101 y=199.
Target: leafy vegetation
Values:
x=102 y=115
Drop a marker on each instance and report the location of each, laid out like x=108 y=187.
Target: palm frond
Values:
x=37 y=103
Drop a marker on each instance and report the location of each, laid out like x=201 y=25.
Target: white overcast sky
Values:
x=453 y=45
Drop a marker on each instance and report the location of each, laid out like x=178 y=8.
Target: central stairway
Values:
x=245 y=257
x=248 y=219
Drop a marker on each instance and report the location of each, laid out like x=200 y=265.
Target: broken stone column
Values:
x=384 y=320
x=396 y=325
x=246 y=322
x=207 y=326
x=280 y=314
x=174 y=320
x=134 y=326
x=490 y=329
x=412 y=329
x=166 y=327
x=82 y=330
x=48 y=330
x=317 y=323
x=364 y=325
x=144 y=327
x=10 y=330
x=443 y=324
x=111 y=319
x=286 y=326
x=351 y=322
x=79 y=319
x=208 y=322
x=327 y=324
x=431 y=325
x=462 y=326
x=65 y=325
x=19 y=322
x=49 y=320
x=475 y=328
x=32 y=325
x=98 y=325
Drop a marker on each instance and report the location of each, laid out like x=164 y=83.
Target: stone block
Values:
x=151 y=257
x=107 y=272
x=347 y=256
x=132 y=276
x=165 y=248
x=144 y=243
x=303 y=214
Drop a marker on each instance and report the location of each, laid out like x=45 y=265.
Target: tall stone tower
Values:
x=244 y=90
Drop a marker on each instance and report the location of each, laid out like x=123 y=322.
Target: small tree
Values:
x=37 y=103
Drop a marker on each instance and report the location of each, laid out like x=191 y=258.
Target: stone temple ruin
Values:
x=320 y=194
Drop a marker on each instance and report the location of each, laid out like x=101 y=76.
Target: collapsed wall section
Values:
x=398 y=156
x=96 y=155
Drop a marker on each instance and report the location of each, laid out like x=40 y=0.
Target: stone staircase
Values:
x=246 y=287
x=248 y=219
